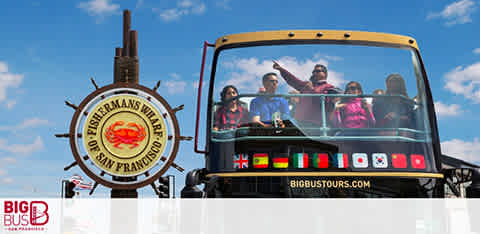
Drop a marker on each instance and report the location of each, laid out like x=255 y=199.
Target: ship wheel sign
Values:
x=124 y=130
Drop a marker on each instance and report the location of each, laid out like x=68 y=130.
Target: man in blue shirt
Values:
x=263 y=108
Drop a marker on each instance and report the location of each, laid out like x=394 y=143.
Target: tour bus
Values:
x=321 y=113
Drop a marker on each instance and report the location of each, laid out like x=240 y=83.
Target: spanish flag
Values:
x=260 y=160
x=280 y=162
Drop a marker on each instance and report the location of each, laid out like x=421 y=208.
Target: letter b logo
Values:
x=38 y=213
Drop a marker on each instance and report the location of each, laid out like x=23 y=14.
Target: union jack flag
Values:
x=240 y=161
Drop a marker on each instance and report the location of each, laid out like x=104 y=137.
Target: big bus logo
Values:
x=24 y=215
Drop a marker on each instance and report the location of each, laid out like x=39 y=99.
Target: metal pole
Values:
x=324 y=117
x=172 y=182
x=63 y=188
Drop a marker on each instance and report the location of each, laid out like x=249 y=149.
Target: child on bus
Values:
x=353 y=112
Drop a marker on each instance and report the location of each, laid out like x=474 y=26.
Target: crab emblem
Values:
x=126 y=136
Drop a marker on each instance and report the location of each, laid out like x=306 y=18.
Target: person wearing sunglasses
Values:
x=309 y=108
x=353 y=112
x=269 y=111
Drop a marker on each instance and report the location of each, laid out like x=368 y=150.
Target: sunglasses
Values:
x=317 y=71
x=354 y=88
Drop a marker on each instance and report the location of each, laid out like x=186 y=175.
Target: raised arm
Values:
x=292 y=80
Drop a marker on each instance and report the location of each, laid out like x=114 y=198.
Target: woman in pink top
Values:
x=353 y=112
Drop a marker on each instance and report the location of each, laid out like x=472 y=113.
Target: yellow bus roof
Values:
x=320 y=36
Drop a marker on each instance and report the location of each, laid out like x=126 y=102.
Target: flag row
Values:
x=325 y=160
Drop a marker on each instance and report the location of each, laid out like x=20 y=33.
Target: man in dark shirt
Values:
x=308 y=108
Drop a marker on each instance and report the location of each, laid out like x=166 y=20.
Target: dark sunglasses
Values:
x=354 y=88
x=317 y=71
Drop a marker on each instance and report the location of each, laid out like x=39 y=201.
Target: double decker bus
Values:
x=365 y=128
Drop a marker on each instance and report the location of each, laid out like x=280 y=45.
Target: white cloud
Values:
x=333 y=58
x=465 y=150
x=185 y=3
x=24 y=149
x=246 y=73
x=27 y=123
x=139 y=4
x=99 y=8
x=7 y=180
x=32 y=123
x=171 y=14
x=327 y=57
x=184 y=8
x=10 y=103
x=445 y=110
x=465 y=81
x=9 y=160
x=3 y=67
x=196 y=83
x=199 y=9
x=174 y=76
x=456 y=13
x=176 y=85
x=476 y=51
x=8 y=80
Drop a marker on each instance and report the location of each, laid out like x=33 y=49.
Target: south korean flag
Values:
x=379 y=160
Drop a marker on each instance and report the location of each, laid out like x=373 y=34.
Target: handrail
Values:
x=200 y=83
x=317 y=95
x=321 y=138
x=321 y=95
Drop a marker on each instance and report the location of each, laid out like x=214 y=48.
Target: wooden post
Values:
x=126 y=58
x=133 y=43
x=126 y=66
x=126 y=32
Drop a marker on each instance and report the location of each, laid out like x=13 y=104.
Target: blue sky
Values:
x=49 y=50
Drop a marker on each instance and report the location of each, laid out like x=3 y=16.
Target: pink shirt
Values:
x=354 y=116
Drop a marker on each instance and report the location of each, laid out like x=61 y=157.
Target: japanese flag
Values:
x=360 y=160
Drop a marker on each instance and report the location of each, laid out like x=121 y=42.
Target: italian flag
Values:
x=280 y=162
x=300 y=160
x=342 y=160
x=260 y=160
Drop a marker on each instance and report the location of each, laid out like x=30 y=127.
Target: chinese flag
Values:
x=399 y=161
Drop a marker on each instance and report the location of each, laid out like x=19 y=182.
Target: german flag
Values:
x=260 y=160
x=280 y=162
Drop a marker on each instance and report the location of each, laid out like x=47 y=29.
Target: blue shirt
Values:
x=265 y=107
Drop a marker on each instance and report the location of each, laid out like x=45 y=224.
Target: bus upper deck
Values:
x=290 y=108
